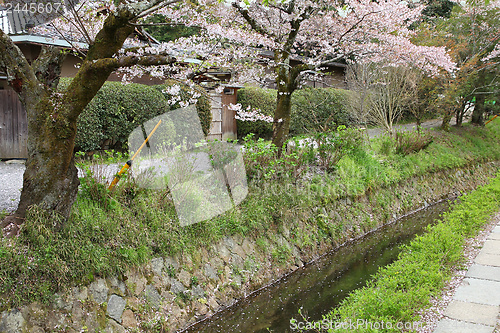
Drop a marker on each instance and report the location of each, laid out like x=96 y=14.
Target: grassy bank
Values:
x=398 y=291
x=110 y=232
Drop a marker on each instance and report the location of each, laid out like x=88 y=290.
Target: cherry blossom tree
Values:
x=232 y=34
x=50 y=180
x=315 y=33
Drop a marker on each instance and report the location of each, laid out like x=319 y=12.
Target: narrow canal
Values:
x=323 y=284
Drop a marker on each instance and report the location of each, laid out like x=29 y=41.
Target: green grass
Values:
x=111 y=232
x=398 y=291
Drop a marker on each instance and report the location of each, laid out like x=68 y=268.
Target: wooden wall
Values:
x=228 y=119
x=223 y=121
x=13 y=126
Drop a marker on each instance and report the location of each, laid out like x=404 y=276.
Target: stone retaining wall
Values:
x=173 y=292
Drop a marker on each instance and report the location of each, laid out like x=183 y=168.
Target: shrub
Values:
x=313 y=110
x=117 y=109
x=318 y=110
x=325 y=149
x=203 y=106
x=114 y=112
x=262 y=160
x=412 y=142
x=265 y=101
x=387 y=145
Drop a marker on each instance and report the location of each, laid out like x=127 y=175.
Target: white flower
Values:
x=172 y=90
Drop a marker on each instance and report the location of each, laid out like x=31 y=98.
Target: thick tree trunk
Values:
x=460 y=113
x=459 y=118
x=51 y=178
x=445 y=125
x=287 y=80
x=282 y=115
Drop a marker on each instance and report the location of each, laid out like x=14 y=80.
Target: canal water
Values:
x=321 y=285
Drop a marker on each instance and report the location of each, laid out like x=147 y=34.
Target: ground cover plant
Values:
x=109 y=232
x=399 y=290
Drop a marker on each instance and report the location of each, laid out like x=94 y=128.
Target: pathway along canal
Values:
x=321 y=285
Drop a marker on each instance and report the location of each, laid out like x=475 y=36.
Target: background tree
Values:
x=428 y=90
x=384 y=91
x=472 y=36
x=437 y=9
x=359 y=78
x=316 y=32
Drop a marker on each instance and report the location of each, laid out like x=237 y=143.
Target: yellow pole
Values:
x=147 y=139
x=490 y=120
x=129 y=162
x=117 y=177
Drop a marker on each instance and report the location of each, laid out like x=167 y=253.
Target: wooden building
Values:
x=13 y=119
x=223 y=119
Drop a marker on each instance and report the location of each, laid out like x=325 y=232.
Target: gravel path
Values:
x=11 y=182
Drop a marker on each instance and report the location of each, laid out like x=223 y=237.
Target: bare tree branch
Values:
x=348 y=31
x=154 y=6
x=70 y=42
x=14 y=64
x=253 y=23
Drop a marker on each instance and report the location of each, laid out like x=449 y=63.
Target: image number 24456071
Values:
x=23 y=15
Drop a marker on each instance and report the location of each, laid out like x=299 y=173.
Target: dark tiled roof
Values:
x=15 y=21
x=14 y=24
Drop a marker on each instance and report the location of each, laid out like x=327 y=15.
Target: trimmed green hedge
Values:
x=318 y=110
x=313 y=110
x=257 y=98
x=203 y=105
x=117 y=109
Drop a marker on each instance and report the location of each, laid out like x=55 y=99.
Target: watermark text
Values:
x=326 y=324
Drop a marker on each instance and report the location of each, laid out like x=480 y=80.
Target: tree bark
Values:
x=282 y=116
x=51 y=178
x=478 y=113
x=287 y=81
x=460 y=113
x=445 y=125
